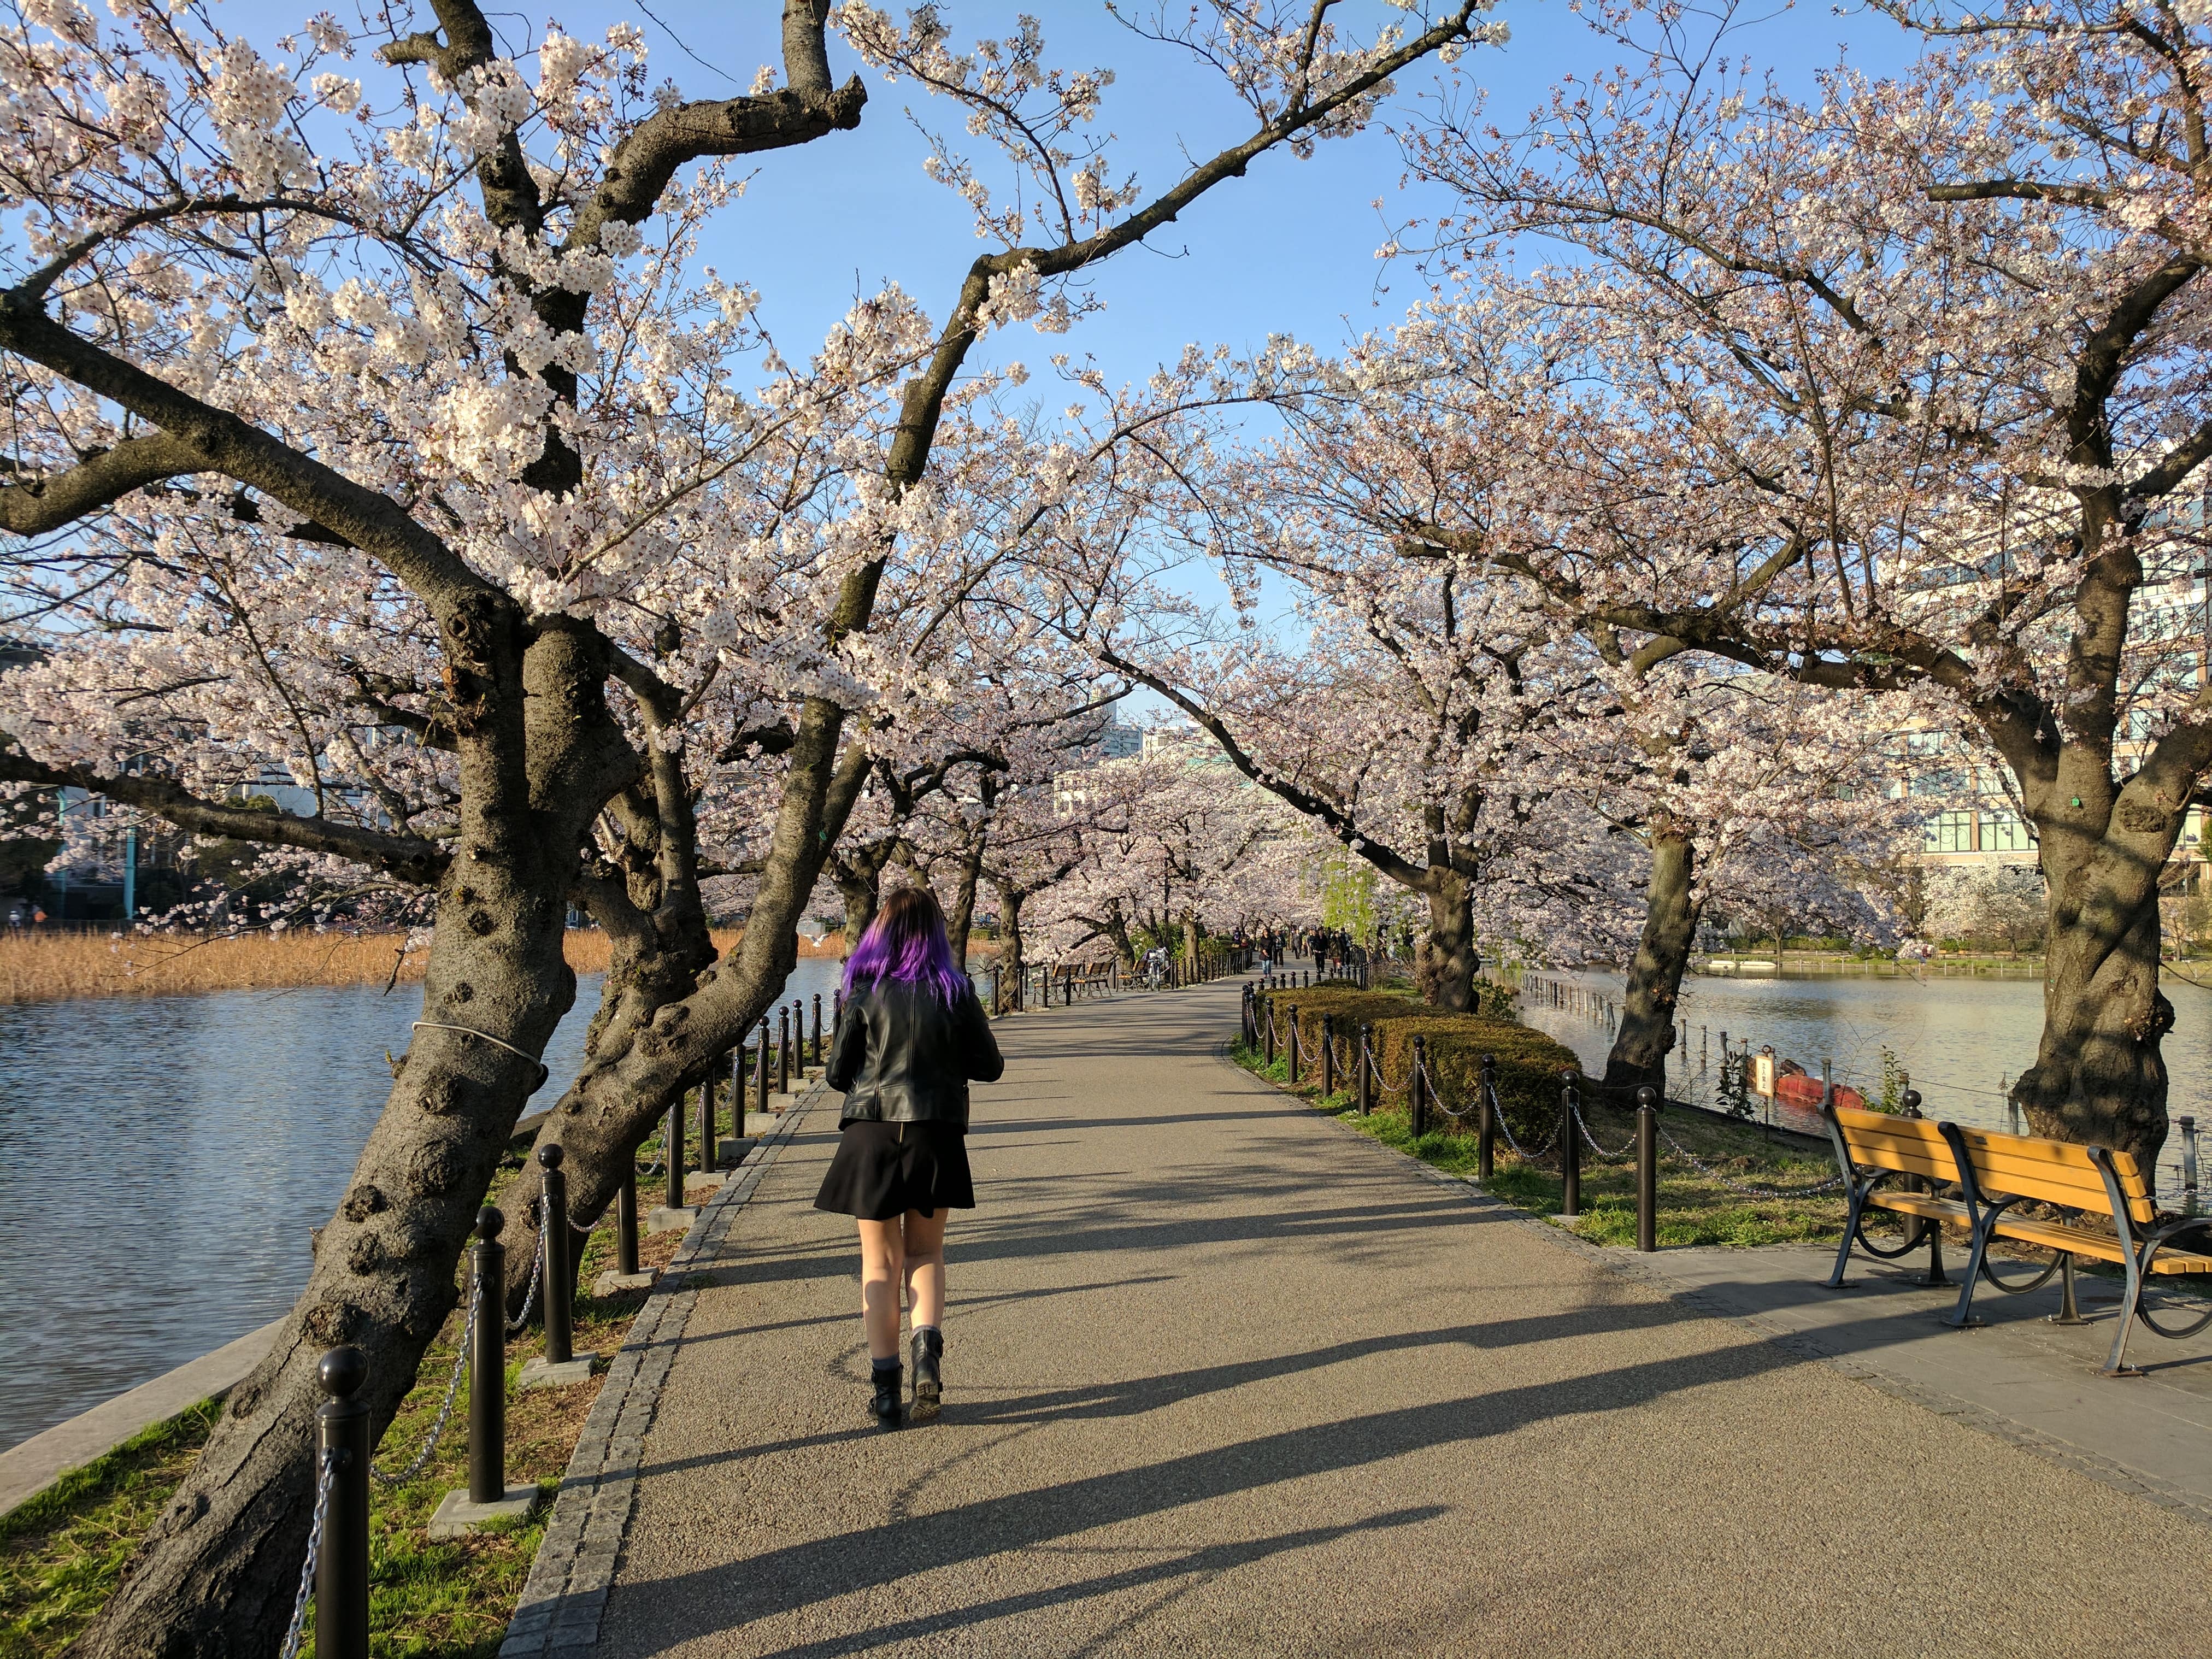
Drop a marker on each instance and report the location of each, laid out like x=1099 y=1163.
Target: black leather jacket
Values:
x=902 y=1056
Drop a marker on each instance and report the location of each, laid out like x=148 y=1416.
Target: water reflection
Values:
x=1962 y=1040
x=162 y=1160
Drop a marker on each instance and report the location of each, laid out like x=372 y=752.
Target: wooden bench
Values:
x=1997 y=1172
x=1873 y=1147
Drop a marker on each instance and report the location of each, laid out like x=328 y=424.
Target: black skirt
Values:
x=884 y=1170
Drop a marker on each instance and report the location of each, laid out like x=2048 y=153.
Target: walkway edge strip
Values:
x=563 y=1599
x=2121 y=1477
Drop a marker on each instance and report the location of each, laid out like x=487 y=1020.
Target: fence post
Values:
x=341 y=1564
x=626 y=1208
x=1327 y=1056
x=1420 y=1114
x=760 y=1072
x=2188 y=1165
x=707 y=1118
x=560 y=1280
x=783 y=1051
x=1294 y=1044
x=1570 y=1146
x=1267 y=1031
x=488 y=1363
x=818 y=1030
x=1366 y=1068
x=1647 y=1169
x=1485 y=1122
x=674 y=1151
x=1910 y=1103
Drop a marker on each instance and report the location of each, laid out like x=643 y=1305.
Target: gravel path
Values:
x=1222 y=1377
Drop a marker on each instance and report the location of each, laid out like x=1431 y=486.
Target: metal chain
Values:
x=1712 y=1174
x=445 y=1406
x=325 y=1481
x=1505 y=1128
x=517 y=1325
x=1382 y=1082
x=1625 y=1149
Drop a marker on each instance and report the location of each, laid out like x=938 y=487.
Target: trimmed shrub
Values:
x=1528 y=1062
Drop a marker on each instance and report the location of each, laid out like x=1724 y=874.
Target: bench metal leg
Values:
x=1962 y=1316
x=2067 y=1313
x=1935 y=1275
x=2118 y=1365
x=1836 y=1281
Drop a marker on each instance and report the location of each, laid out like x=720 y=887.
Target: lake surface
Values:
x=1962 y=1040
x=163 y=1159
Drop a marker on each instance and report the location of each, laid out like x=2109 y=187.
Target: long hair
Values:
x=906 y=942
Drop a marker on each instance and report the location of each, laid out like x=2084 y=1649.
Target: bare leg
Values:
x=882 y=1264
x=925 y=1269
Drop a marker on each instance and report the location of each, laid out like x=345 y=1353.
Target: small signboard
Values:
x=1762 y=1073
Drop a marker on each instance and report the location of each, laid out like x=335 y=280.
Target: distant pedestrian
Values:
x=38 y=916
x=15 y=918
x=910 y=1039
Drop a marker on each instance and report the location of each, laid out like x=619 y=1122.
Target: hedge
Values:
x=1529 y=1063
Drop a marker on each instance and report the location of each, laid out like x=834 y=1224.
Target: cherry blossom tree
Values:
x=1917 y=368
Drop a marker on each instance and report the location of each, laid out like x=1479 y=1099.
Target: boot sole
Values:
x=927 y=1398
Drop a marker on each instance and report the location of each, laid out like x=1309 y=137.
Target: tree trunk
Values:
x=1647 y=1030
x=1010 y=963
x=215 y=1575
x=2099 y=1077
x=962 y=920
x=860 y=885
x=1190 y=940
x=1115 y=927
x=1448 y=959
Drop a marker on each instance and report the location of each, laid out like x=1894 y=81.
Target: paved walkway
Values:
x=1223 y=1377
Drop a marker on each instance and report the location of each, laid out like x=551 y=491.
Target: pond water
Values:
x=162 y=1160
x=1961 y=1041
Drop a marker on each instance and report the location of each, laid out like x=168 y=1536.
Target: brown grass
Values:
x=47 y=967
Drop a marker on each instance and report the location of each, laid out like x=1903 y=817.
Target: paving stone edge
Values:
x=1625 y=1264
x=566 y=1593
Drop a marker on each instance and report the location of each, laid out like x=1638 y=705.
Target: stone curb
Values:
x=566 y=1593
x=2136 y=1483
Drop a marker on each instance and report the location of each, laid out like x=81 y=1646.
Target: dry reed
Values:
x=37 y=967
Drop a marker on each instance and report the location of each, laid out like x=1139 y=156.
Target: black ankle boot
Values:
x=889 y=1405
x=928 y=1385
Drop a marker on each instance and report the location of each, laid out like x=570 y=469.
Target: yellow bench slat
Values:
x=2099 y=1247
x=2053 y=1172
x=1921 y=1204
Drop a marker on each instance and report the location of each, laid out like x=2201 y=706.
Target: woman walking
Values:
x=910 y=1038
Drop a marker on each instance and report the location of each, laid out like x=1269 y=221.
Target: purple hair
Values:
x=906 y=942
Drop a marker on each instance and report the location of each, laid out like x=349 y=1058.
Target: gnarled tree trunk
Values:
x=1648 y=1004
x=2099 y=1077
x=1448 y=959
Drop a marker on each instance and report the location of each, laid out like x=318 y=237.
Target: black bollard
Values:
x=799 y=1040
x=760 y=1072
x=1327 y=1056
x=1570 y=1146
x=1293 y=1012
x=1420 y=1089
x=626 y=1213
x=342 y=1566
x=1267 y=1031
x=783 y=1051
x=560 y=1280
x=707 y=1119
x=1366 y=1068
x=487 y=1361
x=818 y=1030
x=1647 y=1169
x=1485 y=1122
x=674 y=1152
x=1935 y=1275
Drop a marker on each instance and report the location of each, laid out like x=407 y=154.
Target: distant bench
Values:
x=1993 y=1174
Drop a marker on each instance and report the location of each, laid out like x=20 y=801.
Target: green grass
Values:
x=62 y=1553
x=1693 y=1209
